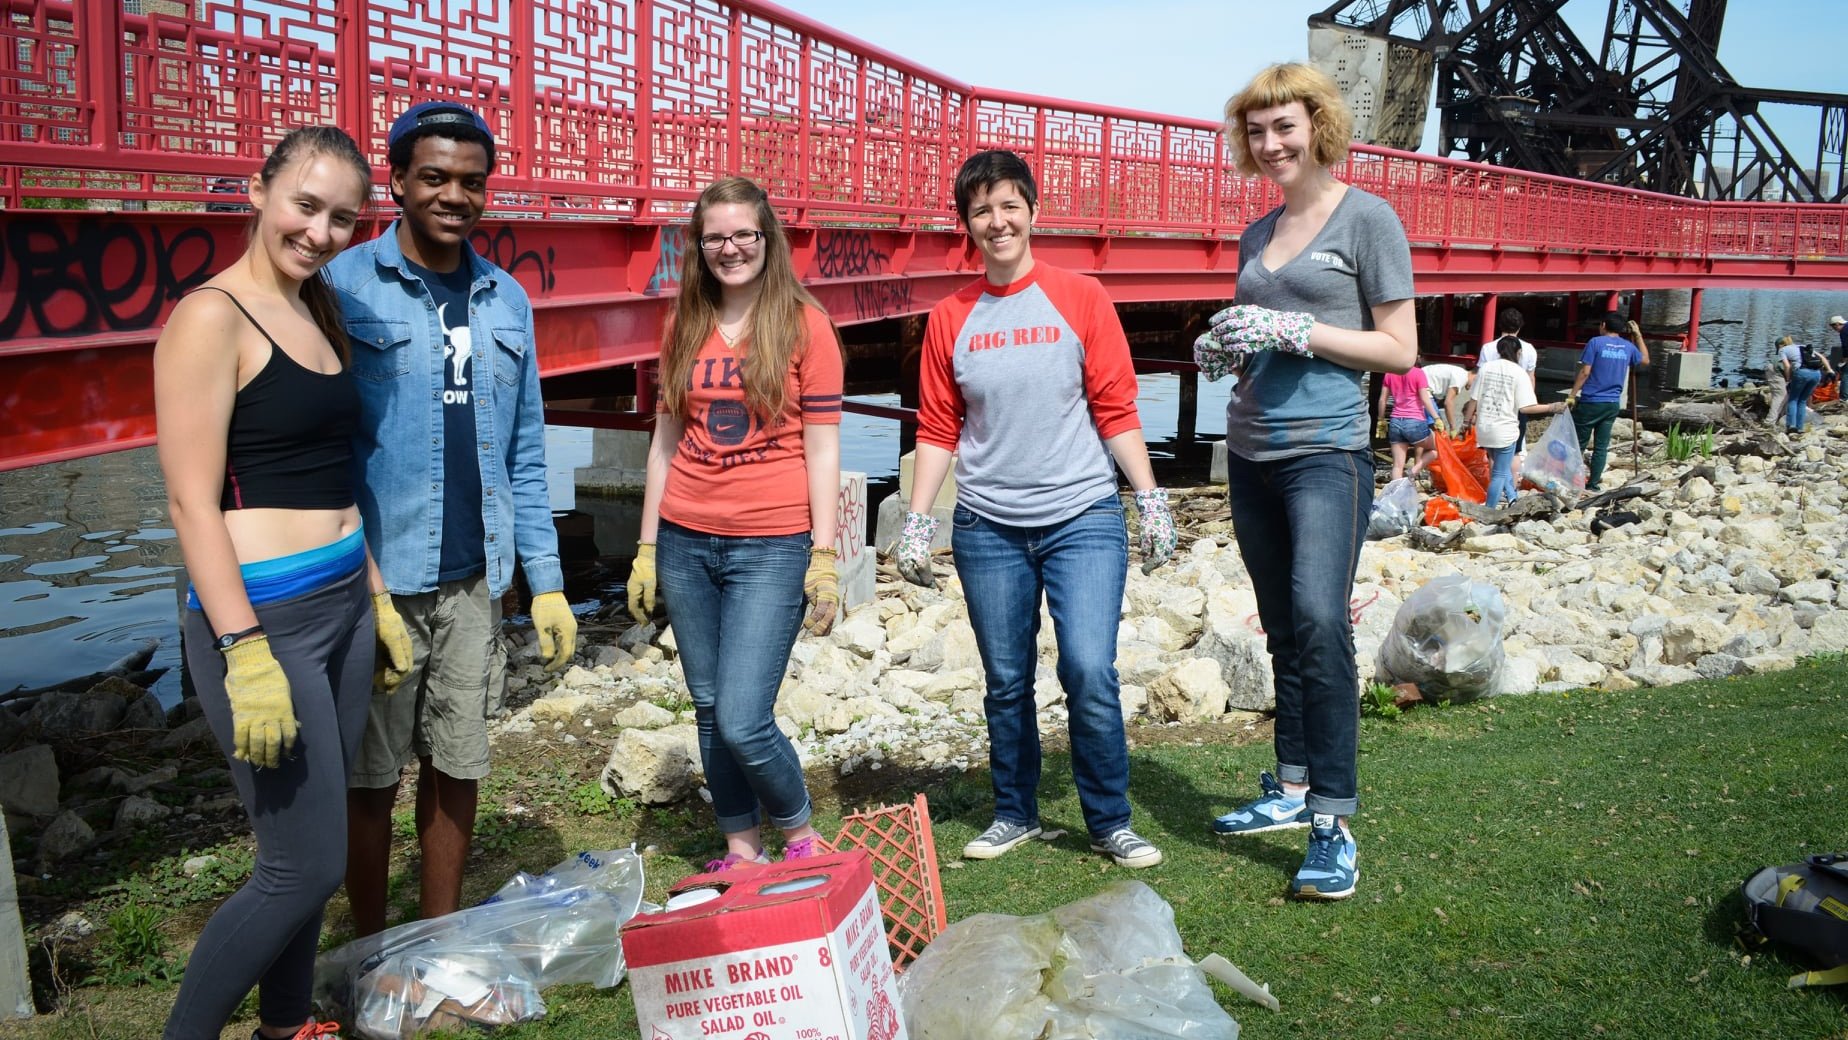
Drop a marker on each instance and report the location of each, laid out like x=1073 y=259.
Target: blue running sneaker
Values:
x=1329 y=870
x=1275 y=811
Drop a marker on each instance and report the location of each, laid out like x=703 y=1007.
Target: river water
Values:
x=89 y=566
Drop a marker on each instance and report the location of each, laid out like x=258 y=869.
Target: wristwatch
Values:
x=229 y=639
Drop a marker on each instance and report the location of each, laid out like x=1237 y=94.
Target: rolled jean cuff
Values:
x=1332 y=806
x=751 y=821
x=733 y=824
x=1292 y=774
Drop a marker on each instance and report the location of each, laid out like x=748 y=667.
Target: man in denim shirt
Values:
x=451 y=453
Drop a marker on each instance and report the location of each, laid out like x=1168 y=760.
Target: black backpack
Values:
x=1803 y=906
x=1811 y=359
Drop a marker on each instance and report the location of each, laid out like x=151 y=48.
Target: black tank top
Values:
x=290 y=445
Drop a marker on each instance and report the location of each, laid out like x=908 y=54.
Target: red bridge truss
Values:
x=611 y=116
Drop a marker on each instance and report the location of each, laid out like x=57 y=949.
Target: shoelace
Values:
x=1125 y=840
x=732 y=860
x=1323 y=849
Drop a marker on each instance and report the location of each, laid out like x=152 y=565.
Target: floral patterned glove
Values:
x=1216 y=360
x=1158 y=536
x=913 y=549
x=1248 y=329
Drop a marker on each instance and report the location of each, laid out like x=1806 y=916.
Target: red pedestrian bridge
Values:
x=125 y=139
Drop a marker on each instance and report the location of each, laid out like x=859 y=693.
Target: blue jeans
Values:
x=736 y=604
x=1080 y=565
x=1501 y=475
x=1803 y=383
x=1300 y=523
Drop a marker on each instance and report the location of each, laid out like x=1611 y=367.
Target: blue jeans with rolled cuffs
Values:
x=736 y=606
x=1079 y=564
x=1300 y=523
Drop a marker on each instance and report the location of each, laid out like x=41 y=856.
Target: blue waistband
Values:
x=267 y=581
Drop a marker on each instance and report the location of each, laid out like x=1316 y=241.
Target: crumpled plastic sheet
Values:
x=1108 y=967
x=486 y=965
x=1396 y=510
x=1447 y=638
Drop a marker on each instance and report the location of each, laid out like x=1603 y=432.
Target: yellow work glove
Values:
x=823 y=588
x=642 y=583
x=394 y=659
x=557 y=628
x=262 y=715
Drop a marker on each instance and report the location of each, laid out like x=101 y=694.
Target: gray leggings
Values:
x=266 y=934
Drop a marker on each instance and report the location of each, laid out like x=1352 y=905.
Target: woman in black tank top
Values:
x=255 y=411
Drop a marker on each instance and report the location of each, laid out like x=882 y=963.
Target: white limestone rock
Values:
x=1192 y=691
x=651 y=766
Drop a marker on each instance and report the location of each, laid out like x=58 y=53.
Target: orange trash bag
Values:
x=1438 y=510
x=1824 y=394
x=1452 y=473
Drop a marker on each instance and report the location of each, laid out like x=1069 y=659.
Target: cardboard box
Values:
x=790 y=951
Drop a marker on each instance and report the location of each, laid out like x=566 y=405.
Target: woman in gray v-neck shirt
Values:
x=1324 y=294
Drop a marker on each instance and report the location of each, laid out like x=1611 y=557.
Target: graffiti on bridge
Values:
x=65 y=276
x=845 y=254
x=668 y=257
x=501 y=247
x=850 y=517
x=882 y=299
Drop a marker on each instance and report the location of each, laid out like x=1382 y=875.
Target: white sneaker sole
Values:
x=1150 y=858
x=1289 y=825
x=975 y=850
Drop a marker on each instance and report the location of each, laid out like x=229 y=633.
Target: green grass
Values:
x=1531 y=867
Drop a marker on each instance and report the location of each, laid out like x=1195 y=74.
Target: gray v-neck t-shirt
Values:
x=1287 y=405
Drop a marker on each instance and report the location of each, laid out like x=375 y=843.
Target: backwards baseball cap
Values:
x=436 y=113
x=1836 y=319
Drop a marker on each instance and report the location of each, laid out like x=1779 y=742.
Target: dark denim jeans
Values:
x=1593 y=421
x=736 y=604
x=1300 y=523
x=1079 y=564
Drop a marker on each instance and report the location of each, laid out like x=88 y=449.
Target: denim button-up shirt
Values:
x=397 y=361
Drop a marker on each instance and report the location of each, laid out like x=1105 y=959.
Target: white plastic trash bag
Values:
x=1395 y=511
x=1555 y=462
x=485 y=966
x=1109 y=967
x=1447 y=638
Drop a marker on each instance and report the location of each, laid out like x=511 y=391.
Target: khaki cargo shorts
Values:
x=458 y=677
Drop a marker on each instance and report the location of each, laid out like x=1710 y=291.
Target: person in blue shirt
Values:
x=450 y=453
x=1597 y=392
x=1839 y=326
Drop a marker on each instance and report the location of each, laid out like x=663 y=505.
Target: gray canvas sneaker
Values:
x=999 y=839
x=1128 y=848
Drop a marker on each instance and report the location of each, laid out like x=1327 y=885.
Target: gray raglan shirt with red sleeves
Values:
x=1025 y=382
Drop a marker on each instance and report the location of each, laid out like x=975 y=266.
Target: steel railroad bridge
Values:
x=144 y=119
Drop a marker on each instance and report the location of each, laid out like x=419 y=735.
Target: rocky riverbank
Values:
x=1728 y=565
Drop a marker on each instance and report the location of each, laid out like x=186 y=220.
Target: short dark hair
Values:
x=983 y=170
x=1509 y=347
x=1614 y=320
x=1508 y=321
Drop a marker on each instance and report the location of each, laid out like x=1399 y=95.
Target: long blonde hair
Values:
x=778 y=327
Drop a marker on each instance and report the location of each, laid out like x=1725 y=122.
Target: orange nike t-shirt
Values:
x=735 y=474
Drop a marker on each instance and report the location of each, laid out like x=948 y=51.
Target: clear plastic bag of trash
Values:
x=485 y=965
x=1108 y=967
x=1555 y=462
x=1395 y=511
x=1447 y=638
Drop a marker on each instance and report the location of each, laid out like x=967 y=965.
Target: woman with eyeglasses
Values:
x=738 y=511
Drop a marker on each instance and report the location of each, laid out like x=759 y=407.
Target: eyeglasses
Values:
x=744 y=239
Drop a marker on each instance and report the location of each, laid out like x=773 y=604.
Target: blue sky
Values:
x=1184 y=57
